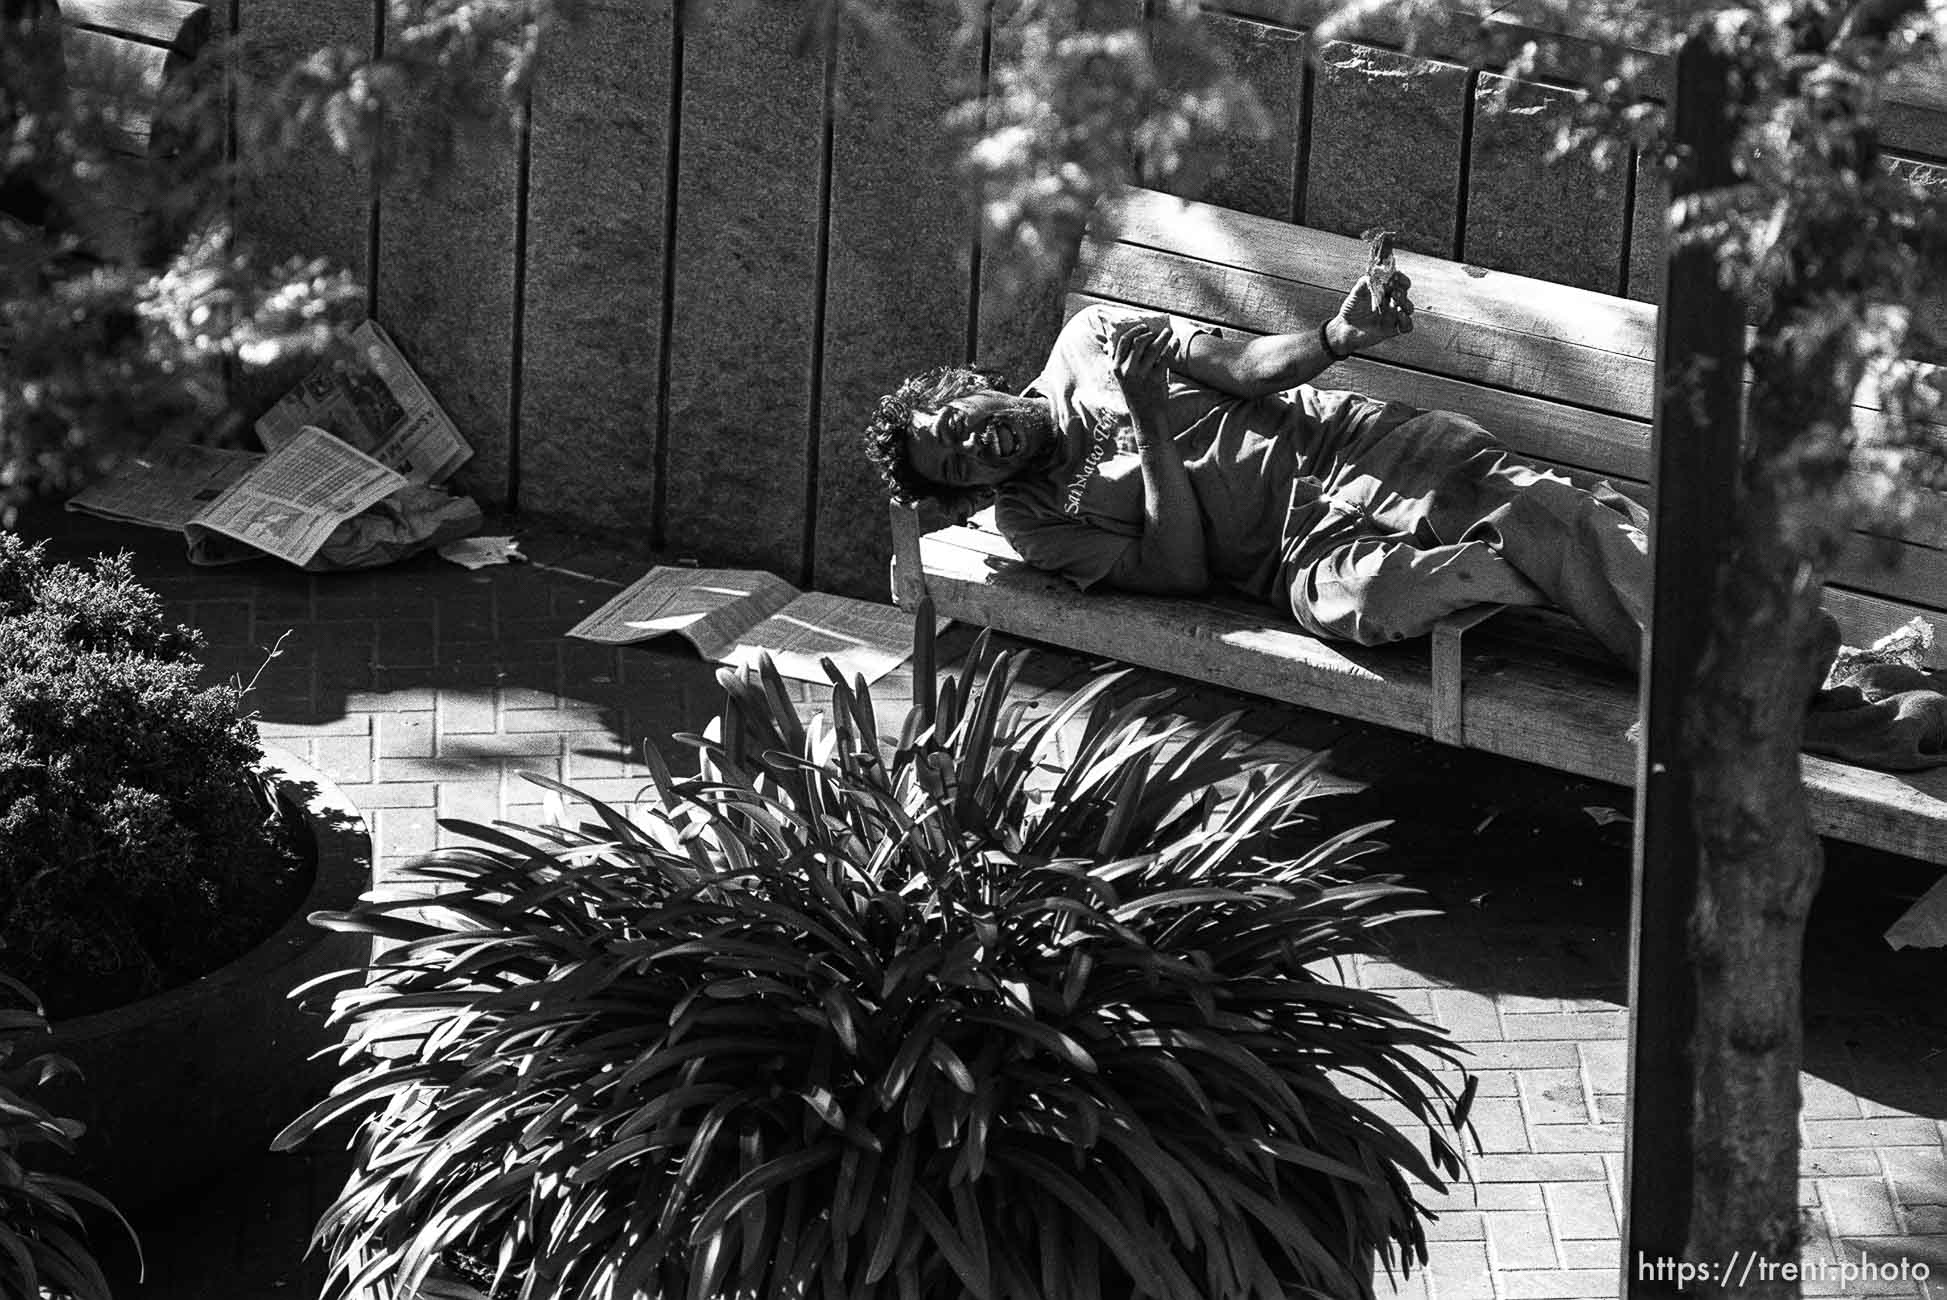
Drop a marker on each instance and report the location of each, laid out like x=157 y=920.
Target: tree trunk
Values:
x=1759 y=858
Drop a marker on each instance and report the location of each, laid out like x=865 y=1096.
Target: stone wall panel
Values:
x=1647 y=243
x=307 y=201
x=1385 y=145
x=1561 y=221
x=745 y=275
x=897 y=288
x=1242 y=169
x=445 y=283
x=592 y=327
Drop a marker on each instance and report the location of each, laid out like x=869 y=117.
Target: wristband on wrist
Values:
x=1325 y=341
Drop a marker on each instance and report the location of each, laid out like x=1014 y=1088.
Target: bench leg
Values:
x=1446 y=712
x=908 y=573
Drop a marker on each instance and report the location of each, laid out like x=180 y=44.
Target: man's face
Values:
x=980 y=440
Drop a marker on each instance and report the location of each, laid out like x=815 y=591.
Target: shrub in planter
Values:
x=43 y=1237
x=850 y=1014
x=133 y=830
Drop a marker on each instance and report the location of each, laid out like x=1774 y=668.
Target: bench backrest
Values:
x=1563 y=375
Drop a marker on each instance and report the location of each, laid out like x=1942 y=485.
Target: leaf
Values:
x=707 y=1266
x=971 y=1268
x=701 y=1148
x=950 y=1063
x=975 y=737
x=892 y=1085
x=619 y=826
x=1178 y=898
x=1104 y=1224
x=825 y=1107
x=758 y=1182
x=1043 y=1035
x=892 y=1226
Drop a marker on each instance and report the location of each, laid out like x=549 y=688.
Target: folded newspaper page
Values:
x=367 y=395
x=166 y=486
x=291 y=503
x=733 y=616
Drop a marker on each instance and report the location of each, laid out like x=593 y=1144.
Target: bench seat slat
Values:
x=1537 y=712
x=1206 y=640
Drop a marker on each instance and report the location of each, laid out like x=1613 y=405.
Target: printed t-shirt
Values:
x=1252 y=463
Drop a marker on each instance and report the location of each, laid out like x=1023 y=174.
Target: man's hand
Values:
x=1140 y=351
x=1153 y=325
x=1359 y=324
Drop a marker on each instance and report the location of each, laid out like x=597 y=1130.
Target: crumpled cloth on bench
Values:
x=1880 y=706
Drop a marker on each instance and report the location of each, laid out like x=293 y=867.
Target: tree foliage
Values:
x=1077 y=96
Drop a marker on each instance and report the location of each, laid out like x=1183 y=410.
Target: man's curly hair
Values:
x=885 y=436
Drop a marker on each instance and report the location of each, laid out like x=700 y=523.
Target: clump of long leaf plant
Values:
x=859 y=1013
x=44 y=1248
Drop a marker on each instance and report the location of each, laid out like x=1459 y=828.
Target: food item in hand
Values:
x=1380 y=271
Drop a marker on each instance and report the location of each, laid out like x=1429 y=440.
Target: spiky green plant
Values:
x=43 y=1239
x=853 y=1016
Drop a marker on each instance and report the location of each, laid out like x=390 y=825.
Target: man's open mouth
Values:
x=999 y=440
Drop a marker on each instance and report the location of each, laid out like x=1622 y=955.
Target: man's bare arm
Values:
x=1272 y=363
x=1168 y=559
x=1257 y=367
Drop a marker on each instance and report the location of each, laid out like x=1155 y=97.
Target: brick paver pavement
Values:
x=427 y=690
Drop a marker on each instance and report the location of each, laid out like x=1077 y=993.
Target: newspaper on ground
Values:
x=367 y=395
x=165 y=486
x=733 y=616
x=291 y=503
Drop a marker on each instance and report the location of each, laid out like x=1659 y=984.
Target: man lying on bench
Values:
x=1154 y=455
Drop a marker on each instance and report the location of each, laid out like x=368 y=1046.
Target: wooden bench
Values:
x=1563 y=375
x=142 y=83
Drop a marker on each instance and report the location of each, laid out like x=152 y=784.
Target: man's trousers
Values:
x=1434 y=517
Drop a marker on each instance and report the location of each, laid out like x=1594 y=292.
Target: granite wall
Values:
x=666 y=305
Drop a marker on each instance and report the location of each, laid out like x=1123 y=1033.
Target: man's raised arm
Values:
x=1272 y=363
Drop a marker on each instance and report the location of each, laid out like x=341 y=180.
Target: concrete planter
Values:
x=183 y=1084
